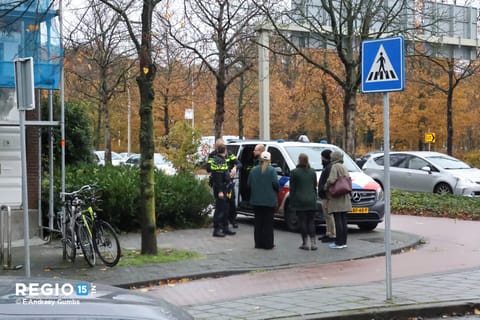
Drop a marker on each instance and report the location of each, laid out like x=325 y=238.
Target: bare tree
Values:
x=176 y=81
x=142 y=41
x=96 y=41
x=456 y=71
x=456 y=62
x=216 y=31
x=340 y=26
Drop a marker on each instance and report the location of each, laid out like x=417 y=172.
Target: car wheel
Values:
x=367 y=226
x=442 y=188
x=291 y=218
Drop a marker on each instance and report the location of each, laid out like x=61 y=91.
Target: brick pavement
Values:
x=237 y=255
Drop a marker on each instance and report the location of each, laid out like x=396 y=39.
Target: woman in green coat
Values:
x=263 y=185
x=303 y=199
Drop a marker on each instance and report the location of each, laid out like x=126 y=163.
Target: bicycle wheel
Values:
x=106 y=243
x=69 y=245
x=86 y=244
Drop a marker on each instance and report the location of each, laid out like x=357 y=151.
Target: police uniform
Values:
x=232 y=162
x=220 y=177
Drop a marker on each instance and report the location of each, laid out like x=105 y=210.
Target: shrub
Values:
x=181 y=200
x=429 y=204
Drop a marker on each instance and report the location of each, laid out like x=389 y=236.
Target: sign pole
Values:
x=25 y=94
x=386 y=164
x=383 y=70
x=26 y=229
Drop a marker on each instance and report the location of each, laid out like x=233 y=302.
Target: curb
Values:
x=402 y=312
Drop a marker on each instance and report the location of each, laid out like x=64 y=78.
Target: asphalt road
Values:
x=449 y=245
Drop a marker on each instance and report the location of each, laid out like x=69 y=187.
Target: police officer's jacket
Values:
x=220 y=174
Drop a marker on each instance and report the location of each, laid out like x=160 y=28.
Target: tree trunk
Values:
x=147 y=95
x=219 y=109
x=98 y=128
x=240 y=105
x=450 y=110
x=349 y=103
x=108 y=137
x=166 y=116
x=328 y=129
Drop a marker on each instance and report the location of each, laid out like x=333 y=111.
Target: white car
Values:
x=425 y=171
x=367 y=195
x=100 y=158
x=159 y=160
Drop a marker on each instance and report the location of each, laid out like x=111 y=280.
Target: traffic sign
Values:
x=383 y=66
x=430 y=137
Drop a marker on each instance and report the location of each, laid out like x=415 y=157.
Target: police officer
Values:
x=234 y=165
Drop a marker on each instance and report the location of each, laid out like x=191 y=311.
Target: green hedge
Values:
x=180 y=200
x=429 y=204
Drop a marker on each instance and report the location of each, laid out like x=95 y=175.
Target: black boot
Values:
x=229 y=232
x=313 y=243
x=218 y=233
x=304 y=245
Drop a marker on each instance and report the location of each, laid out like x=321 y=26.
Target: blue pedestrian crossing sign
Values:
x=383 y=67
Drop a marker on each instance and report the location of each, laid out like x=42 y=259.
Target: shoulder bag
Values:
x=342 y=185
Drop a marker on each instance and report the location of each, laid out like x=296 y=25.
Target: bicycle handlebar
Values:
x=73 y=193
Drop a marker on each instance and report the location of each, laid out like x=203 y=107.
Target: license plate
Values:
x=360 y=210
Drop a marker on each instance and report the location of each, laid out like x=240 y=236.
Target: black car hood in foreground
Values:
x=43 y=298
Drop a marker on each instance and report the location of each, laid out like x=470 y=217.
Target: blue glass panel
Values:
x=31 y=31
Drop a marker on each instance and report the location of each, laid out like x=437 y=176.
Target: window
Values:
x=416 y=163
x=278 y=161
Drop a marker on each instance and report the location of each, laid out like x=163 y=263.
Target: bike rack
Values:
x=6 y=256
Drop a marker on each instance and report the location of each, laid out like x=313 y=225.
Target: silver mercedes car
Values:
x=425 y=171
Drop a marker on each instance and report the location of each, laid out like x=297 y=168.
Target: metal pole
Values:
x=62 y=102
x=8 y=255
x=129 y=117
x=51 y=213
x=386 y=163
x=264 y=84
x=39 y=164
x=193 y=103
x=26 y=231
x=2 y=248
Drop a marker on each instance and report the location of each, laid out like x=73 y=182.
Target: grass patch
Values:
x=134 y=258
x=434 y=205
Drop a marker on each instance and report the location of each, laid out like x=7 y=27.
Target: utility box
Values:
x=10 y=167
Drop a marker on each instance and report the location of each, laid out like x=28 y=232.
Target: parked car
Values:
x=99 y=156
x=426 y=171
x=158 y=159
x=206 y=146
x=125 y=155
x=45 y=298
x=367 y=195
x=361 y=160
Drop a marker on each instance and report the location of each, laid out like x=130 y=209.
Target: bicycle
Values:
x=74 y=230
x=105 y=240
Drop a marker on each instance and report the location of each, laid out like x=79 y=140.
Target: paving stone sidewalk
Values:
x=236 y=254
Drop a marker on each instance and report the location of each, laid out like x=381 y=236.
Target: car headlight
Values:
x=465 y=180
x=380 y=194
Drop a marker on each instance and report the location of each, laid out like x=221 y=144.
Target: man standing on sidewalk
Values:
x=329 y=220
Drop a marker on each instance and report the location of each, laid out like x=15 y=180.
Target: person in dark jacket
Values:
x=220 y=175
x=263 y=184
x=339 y=206
x=303 y=199
x=234 y=165
x=329 y=236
